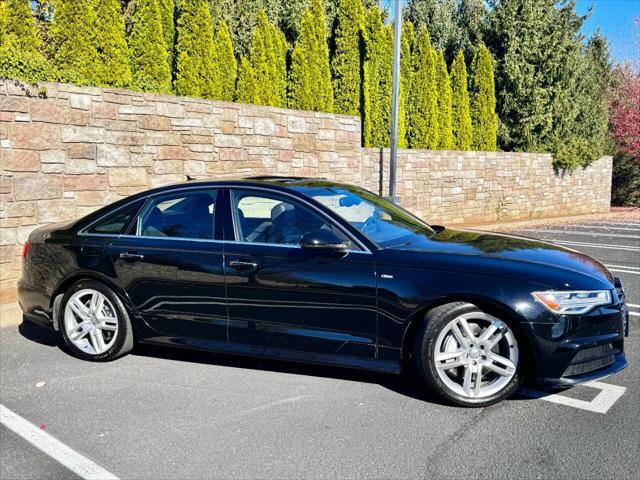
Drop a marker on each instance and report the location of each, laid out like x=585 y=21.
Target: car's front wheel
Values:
x=94 y=322
x=468 y=356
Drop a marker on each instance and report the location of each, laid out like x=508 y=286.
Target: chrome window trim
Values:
x=228 y=186
x=331 y=221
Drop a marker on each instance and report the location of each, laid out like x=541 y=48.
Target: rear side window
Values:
x=188 y=215
x=116 y=222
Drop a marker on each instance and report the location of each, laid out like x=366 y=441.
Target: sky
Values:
x=615 y=19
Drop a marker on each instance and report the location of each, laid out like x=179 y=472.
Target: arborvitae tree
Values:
x=268 y=59
x=443 y=82
x=406 y=72
x=196 y=74
x=246 y=88
x=310 y=85
x=147 y=49
x=484 y=121
x=346 y=61
x=112 y=47
x=20 y=44
x=167 y=13
x=423 y=96
x=226 y=67
x=460 y=115
x=74 y=39
x=17 y=20
x=377 y=81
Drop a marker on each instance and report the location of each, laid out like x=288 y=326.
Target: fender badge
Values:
x=386 y=275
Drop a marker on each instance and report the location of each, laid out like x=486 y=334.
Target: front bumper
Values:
x=575 y=349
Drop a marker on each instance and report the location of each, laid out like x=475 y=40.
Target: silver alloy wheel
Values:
x=476 y=355
x=90 y=321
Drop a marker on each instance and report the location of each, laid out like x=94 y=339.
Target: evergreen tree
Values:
x=111 y=45
x=310 y=77
x=438 y=17
x=268 y=59
x=581 y=137
x=483 y=102
x=423 y=96
x=167 y=14
x=74 y=40
x=246 y=88
x=346 y=61
x=443 y=82
x=542 y=79
x=226 y=67
x=196 y=74
x=147 y=49
x=406 y=72
x=460 y=115
x=20 y=44
x=17 y=20
x=377 y=81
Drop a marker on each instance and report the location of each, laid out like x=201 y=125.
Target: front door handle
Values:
x=131 y=256
x=242 y=265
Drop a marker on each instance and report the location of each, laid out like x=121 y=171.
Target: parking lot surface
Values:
x=161 y=413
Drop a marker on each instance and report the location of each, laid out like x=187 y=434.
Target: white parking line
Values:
x=606 y=228
x=634 y=272
x=586 y=234
x=624 y=266
x=632 y=223
x=53 y=447
x=633 y=305
x=634 y=314
x=608 y=396
x=626 y=248
x=603 y=227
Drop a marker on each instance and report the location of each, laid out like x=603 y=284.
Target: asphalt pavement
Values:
x=162 y=413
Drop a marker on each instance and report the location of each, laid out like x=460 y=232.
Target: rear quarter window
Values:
x=115 y=223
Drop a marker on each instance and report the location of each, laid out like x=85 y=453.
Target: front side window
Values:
x=116 y=222
x=187 y=215
x=271 y=218
x=384 y=223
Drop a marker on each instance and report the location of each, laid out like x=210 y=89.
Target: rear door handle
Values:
x=242 y=265
x=131 y=256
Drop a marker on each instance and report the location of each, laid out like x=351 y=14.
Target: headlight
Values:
x=573 y=303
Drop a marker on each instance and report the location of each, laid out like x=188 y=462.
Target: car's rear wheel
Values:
x=468 y=356
x=94 y=322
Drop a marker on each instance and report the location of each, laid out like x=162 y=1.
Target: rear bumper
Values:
x=34 y=303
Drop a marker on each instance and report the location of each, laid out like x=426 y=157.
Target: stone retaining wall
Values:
x=81 y=148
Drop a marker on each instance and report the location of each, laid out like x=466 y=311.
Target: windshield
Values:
x=382 y=222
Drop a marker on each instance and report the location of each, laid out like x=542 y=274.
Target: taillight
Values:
x=25 y=249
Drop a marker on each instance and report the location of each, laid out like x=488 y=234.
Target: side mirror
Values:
x=323 y=240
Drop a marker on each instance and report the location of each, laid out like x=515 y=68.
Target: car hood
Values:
x=510 y=248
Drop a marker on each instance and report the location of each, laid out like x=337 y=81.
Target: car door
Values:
x=171 y=265
x=281 y=296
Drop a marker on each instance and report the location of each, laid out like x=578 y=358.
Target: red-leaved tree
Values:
x=624 y=114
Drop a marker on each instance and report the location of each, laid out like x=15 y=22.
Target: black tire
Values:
x=124 y=341
x=424 y=352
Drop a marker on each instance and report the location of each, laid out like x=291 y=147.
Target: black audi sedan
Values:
x=314 y=271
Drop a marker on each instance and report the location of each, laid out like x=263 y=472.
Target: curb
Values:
x=10 y=315
x=513 y=225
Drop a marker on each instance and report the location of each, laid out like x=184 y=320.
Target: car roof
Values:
x=279 y=182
